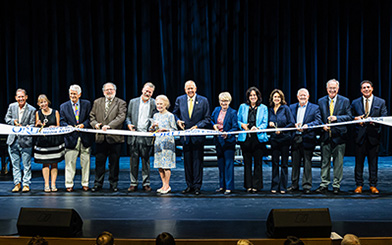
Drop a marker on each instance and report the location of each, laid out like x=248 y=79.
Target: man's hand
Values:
x=16 y=122
x=181 y=124
x=98 y=125
x=332 y=118
x=131 y=127
x=194 y=127
x=105 y=127
x=80 y=126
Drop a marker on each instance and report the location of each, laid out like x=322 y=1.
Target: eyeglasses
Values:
x=109 y=89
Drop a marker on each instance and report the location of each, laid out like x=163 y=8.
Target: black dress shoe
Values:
x=307 y=191
x=322 y=190
x=96 y=188
x=197 y=191
x=292 y=189
x=336 y=190
x=187 y=190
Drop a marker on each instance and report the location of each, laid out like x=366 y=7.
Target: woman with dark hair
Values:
x=253 y=115
x=279 y=116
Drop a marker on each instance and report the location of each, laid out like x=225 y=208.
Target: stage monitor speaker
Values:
x=49 y=222
x=313 y=222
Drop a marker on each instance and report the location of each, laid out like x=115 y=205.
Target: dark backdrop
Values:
x=230 y=45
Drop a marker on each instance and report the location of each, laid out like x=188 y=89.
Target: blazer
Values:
x=261 y=121
x=372 y=131
x=200 y=116
x=230 y=123
x=67 y=117
x=114 y=118
x=342 y=111
x=312 y=117
x=28 y=119
x=133 y=117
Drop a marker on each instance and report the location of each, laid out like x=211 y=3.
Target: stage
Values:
x=143 y=215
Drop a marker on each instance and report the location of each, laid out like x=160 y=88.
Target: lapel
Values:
x=226 y=120
x=362 y=109
x=72 y=113
x=135 y=112
x=24 y=113
x=371 y=108
x=306 y=112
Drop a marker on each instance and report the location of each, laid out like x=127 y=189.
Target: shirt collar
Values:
x=370 y=98
x=193 y=98
x=141 y=100
x=77 y=102
x=303 y=106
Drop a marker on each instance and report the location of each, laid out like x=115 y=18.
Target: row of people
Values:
x=192 y=111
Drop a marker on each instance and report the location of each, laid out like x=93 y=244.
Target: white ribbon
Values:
x=34 y=131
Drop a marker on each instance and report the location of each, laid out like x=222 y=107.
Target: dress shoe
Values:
x=85 y=188
x=322 y=190
x=254 y=190
x=292 y=189
x=336 y=190
x=374 y=190
x=147 y=188
x=358 y=190
x=167 y=191
x=17 y=188
x=273 y=191
x=249 y=190
x=26 y=188
x=197 y=191
x=220 y=190
x=159 y=190
x=187 y=190
x=96 y=188
x=227 y=192
x=69 y=189
x=307 y=191
x=282 y=192
x=132 y=188
x=114 y=189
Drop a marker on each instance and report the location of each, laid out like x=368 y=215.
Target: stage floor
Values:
x=209 y=215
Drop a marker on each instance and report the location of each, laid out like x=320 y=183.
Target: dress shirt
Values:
x=301 y=113
x=221 y=119
x=144 y=109
x=193 y=101
x=334 y=101
x=21 y=111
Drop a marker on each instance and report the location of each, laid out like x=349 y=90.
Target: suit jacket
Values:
x=67 y=117
x=312 y=117
x=230 y=123
x=261 y=121
x=342 y=111
x=133 y=117
x=200 y=116
x=372 y=131
x=28 y=119
x=114 y=118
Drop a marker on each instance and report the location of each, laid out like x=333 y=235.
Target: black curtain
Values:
x=226 y=45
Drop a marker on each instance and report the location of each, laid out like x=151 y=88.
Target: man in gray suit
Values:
x=140 y=111
x=108 y=113
x=20 y=113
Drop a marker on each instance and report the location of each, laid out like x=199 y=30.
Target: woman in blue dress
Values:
x=164 y=146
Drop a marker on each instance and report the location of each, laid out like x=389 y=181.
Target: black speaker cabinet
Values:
x=314 y=222
x=49 y=222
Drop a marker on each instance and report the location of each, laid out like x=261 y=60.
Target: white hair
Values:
x=333 y=81
x=303 y=89
x=75 y=87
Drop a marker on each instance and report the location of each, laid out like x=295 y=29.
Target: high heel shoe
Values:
x=167 y=191
x=159 y=190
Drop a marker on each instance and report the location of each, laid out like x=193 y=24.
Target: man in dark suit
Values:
x=367 y=140
x=76 y=113
x=333 y=108
x=192 y=111
x=305 y=114
x=140 y=112
x=20 y=113
x=108 y=113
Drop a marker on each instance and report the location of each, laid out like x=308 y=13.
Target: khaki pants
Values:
x=71 y=155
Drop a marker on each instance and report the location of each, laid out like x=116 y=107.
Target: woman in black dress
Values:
x=48 y=150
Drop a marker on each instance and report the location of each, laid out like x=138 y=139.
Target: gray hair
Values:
x=20 y=90
x=189 y=82
x=149 y=84
x=109 y=83
x=303 y=89
x=75 y=87
x=164 y=99
x=225 y=96
x=333 y=81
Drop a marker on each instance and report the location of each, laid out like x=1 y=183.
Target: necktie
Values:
x=366 y=107
x=190 y=108
x=76 y=108
x=331 y=108
x=107 y=105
